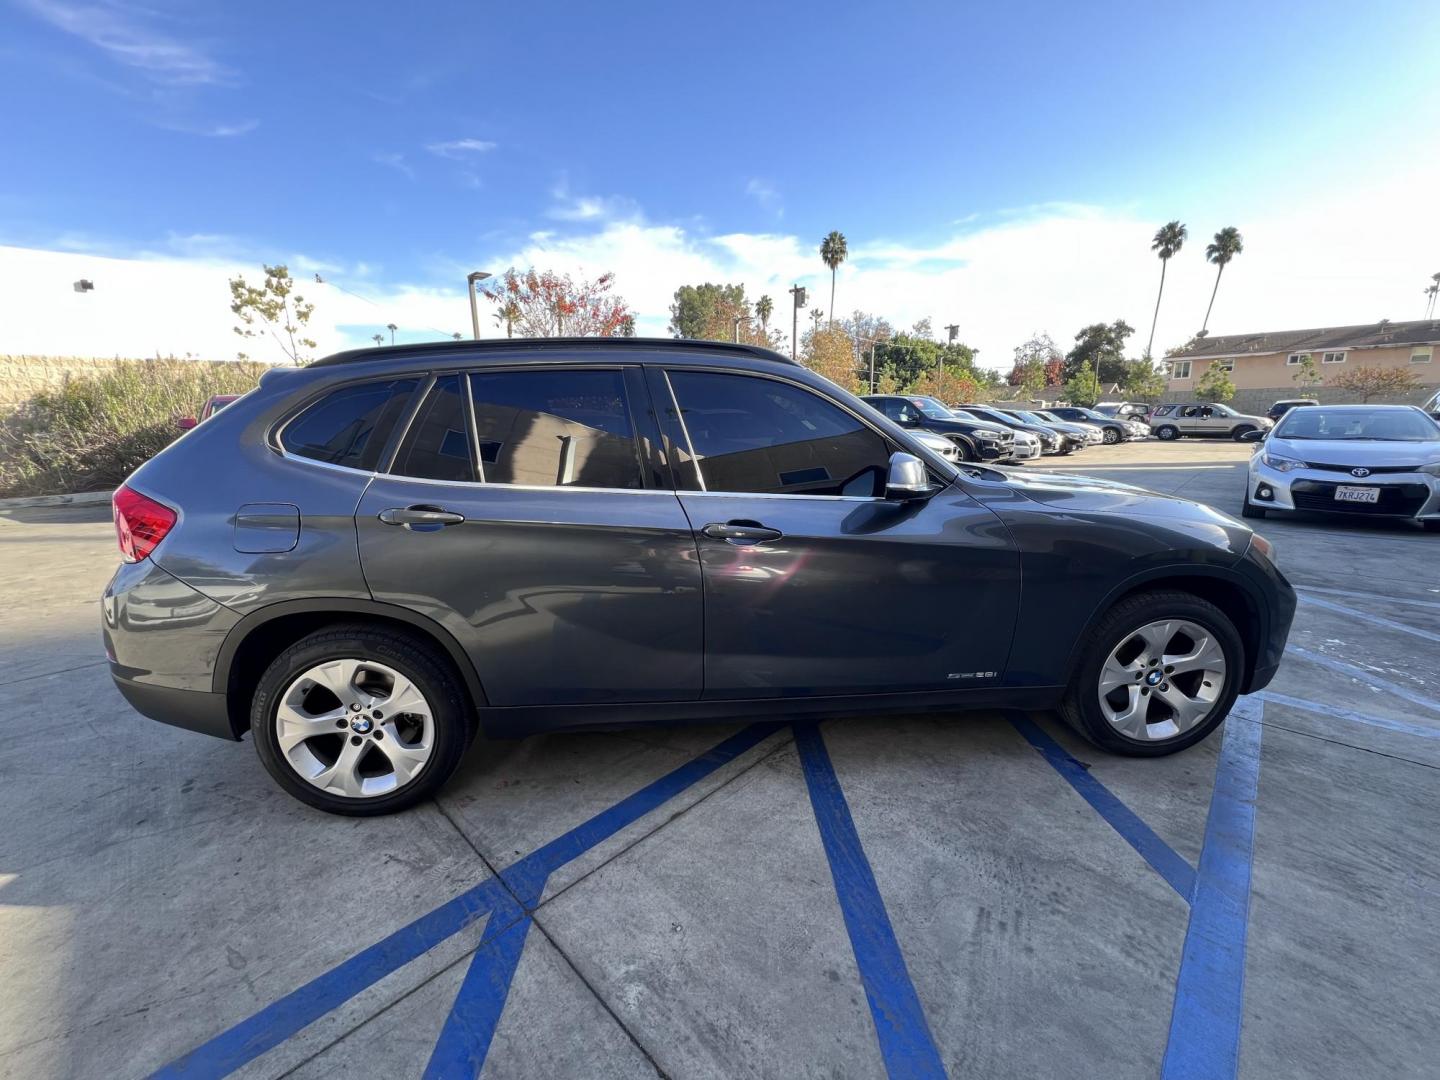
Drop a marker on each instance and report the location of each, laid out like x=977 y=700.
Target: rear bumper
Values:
x=162 y=639
x=194 y=710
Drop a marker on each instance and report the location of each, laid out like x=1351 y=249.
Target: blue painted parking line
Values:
x=465 y=1039
x=906 y=1045
x=496 y=897
x=1204 y=1041
x=1164 y=859
x=1364 y=675
x=1365 y=616
x=1350 y=714
x=275 y=1023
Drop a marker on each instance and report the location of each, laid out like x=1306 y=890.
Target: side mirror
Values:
x=1257 y=435
x=907 y=478
x=185 y=423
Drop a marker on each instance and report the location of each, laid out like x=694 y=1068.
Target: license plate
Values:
x=1346 y=493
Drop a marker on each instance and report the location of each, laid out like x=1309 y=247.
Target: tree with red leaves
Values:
x=546 y=304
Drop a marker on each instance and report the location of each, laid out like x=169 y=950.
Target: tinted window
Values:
x=349 y=426
x=752 y=434
x=437 y=447
x=555 y=429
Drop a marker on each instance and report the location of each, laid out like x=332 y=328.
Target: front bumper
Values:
x=1274 y=613
x=993 y=450
x=1408 y=495
x=162 y=639
x=1026 y=451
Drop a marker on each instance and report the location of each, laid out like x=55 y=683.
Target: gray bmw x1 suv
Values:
x=365 y=561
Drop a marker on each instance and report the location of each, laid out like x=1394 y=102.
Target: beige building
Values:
x=1270 y=361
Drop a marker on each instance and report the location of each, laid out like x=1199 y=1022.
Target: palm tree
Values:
x=817 y=315
x=1169 y=239
x=379 y=339
x=1431 y=292
x=1228 y=243
x=764 y=307
x=832 y=253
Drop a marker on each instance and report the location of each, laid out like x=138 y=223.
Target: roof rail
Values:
x=514 y=345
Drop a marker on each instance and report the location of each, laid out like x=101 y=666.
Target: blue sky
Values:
x=395 y=150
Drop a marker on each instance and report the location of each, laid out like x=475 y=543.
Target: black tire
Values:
x=432 y=675
x=1249 y=509
x=1241 y=431
x=963 y=449
x=1080 y=707
x=1112 y=436
x=1167 y=432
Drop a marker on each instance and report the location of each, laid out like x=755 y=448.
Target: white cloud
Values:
x=460 y=148
x=765 y=193
x=396 y=162
x=1353 y=256
x=120 y=32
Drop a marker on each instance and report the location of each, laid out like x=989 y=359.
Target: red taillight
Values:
x=140 y=523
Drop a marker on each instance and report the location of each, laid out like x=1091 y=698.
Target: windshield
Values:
x=1032 y=418
x=1359 y=424
x=935 y=410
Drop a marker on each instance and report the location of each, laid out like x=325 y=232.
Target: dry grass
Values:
x=91 y=431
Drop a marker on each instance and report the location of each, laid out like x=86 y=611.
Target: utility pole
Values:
x=470 y=280
x=954 y=330
x=797 y=294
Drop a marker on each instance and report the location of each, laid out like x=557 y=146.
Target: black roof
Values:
x=488 y=348
x=1369 y=335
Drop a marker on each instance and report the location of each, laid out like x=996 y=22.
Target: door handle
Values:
x=424 y=518
x=741 y=532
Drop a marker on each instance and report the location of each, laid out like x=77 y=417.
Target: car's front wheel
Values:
x=360 y=720
x=1159 y=673
x=1111 y=436
x=1249 y=509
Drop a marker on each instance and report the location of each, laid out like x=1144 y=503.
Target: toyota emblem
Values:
x=1359 y=472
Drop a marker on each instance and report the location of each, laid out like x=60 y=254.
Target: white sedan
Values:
x=1361 y=460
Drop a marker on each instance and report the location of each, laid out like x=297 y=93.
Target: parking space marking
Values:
x=1369 y=596
x=1363 y=616
x=1364 y=675
x=1164 y=859
x=464 y=1041
x=497 y=897
x=906 y=1044
x=1205 y=1021
x=1350 y=714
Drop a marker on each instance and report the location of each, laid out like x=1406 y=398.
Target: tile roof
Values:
x=1421 y=331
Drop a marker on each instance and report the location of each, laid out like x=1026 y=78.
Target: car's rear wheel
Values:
x=359 y=720
x=1240 y=432
x=1166 y=431
x=1159 y=673
x=1111 y=436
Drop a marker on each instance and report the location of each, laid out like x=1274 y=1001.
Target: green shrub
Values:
x=91 y=432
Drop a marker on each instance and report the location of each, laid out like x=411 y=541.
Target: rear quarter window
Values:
x=350 y=425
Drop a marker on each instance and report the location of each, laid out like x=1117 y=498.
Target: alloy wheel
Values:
x=354 y=728
x=1162 y=679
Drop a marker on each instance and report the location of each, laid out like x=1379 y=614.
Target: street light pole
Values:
x=470 y=280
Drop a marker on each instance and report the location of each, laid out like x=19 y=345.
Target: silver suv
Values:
x=1213 y=420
